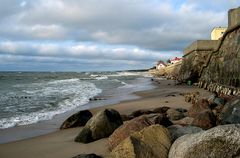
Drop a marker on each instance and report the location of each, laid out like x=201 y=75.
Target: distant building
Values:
x=217 y=33
x=160 y=65
x=175 y=60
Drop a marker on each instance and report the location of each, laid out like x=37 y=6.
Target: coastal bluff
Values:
x=215 y=61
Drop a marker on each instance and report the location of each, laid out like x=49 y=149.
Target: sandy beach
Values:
x=60 y=144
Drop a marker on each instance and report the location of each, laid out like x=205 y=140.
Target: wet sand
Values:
x=60 y=144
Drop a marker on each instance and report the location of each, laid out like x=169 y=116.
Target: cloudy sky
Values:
x=84 y=35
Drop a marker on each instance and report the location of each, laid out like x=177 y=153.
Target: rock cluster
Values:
x=100 y=126
x=165 y=132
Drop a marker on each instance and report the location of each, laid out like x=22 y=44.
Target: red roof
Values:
x=176 y=59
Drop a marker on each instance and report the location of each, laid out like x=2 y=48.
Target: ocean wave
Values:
x=102 y=78
x=73 y=92
x=119 y=74
x=99 y=77
x=117 y=80
x=64 y=81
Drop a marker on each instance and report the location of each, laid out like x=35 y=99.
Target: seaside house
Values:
x=175 y=60
x=160 y=65
x=217 y=33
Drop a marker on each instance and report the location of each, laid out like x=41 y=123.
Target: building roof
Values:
x=161 y=62
x=176 y=59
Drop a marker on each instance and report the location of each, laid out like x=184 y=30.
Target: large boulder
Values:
x=87 y=156
x=198 y=107
x=100 y=126
x=231 y=112
x=132 y=148
x=205 y=120
x=173 y=114
x=84 y=136
x=218 y=142
x=77 y=120
x=177 y=131
x=128 y=128
x=151 y=142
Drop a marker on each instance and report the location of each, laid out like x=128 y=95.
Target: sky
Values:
x=102 y=35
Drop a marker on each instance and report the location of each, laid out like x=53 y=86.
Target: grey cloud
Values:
x=80 y=51
x=146 y=24
x=33 y=63
x=108 y=32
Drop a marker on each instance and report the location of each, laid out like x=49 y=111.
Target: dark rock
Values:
x=205 y=120
x=87 y=156
x=126 y=117
x=100 y=125
x=182 y=110
x=162 y=120
x=84 y=136
x=173 y=114
x=218 y=142
x=177 y=131
x=161 y=110
x=151 y=117
x=217 y=112
x=231 y=112
x=198 y=107
x=212 y=97
x=97 y=98
x=219 y=101
x=140 y=112
x=77 y=120
x=128 y=128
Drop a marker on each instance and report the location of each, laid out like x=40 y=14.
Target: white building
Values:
x=160 y=65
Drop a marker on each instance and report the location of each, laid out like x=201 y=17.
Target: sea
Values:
x=31 y=97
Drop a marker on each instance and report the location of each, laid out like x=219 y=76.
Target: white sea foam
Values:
x=79 y=92
x=129 y=74
x=98 y=77
x=123 y=83
x=101 y=78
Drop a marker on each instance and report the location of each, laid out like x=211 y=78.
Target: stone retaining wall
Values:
x=220 y=65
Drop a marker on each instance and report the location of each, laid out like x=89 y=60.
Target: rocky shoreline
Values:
x=165 y=122
x=201 y=131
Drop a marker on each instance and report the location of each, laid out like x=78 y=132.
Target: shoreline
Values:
x=40 y=128
x=60 y=144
